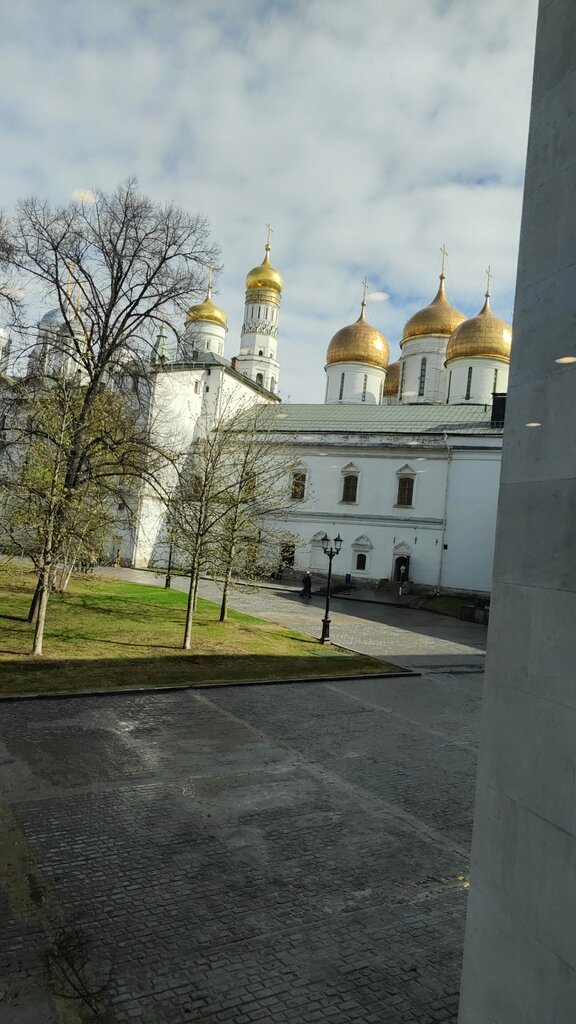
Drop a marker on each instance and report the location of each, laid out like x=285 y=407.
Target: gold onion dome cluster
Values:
x=482 y=337
x=392 y=382
x=264 y=276
x=358 y=343
x=437 y=318
x=207 y=311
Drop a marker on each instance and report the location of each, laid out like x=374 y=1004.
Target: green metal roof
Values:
x=385 y=419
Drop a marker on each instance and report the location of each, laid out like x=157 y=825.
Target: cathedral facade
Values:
x=401 y=460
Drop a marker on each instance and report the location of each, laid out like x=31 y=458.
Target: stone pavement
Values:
x=412 y=638
x=243 y=855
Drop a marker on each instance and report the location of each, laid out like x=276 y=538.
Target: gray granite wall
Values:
x=520 y=950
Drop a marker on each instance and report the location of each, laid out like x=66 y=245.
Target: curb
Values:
x=171 y=687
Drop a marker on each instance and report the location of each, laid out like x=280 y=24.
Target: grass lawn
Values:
x=108 y=635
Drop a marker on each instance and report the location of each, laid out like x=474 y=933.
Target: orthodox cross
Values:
x=269 y=226
x=489 y=277
x=364 y=291
x=444 y=252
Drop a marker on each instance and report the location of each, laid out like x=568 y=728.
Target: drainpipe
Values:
x=444 y=518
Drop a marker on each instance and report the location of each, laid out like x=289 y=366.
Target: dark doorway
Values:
x=401 y=568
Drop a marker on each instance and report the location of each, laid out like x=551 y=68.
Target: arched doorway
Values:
x=401 y=568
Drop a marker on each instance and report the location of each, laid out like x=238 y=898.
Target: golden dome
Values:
x=264 y=276
x=437 y=318
x=482 y=337
x=207 y=311
x=358 y=343
x=392 y=382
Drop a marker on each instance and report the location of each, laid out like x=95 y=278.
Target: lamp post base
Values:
x=325 y=638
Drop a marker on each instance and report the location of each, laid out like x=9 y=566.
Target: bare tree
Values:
x=115 y=267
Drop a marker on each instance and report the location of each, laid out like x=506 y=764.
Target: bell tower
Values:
x=257 y=358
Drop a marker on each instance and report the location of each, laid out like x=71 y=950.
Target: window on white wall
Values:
x=364 y=386
x=341 y=387
x=405 y=493
x=260 y=379
x=495 y=381
x=298 y=485
x=468 y=383
x=422 y=380
x=449 y=386
x=361 y=549
x=402 y=376
x=361 y=560
x=350 y=487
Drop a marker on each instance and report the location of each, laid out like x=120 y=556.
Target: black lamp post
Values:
x=330 y=552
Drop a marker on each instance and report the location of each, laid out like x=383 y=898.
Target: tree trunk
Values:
x=186 y=644
x=66 y=577
x=41 y=618
x=226 y=587
x=35 y=599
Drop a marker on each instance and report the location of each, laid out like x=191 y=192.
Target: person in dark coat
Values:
x=306 y=585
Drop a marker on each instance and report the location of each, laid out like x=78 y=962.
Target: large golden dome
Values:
x=392 y=382
x=207 y=311
x=264 y=276
x=437 y=318
x=358 y=343
x=482 y=337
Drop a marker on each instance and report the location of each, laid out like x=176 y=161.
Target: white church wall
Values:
x=354 y=382
x=471 y=521
x=433 y=350
x=488 y=375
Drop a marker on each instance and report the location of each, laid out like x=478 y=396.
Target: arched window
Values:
x=260 y=379
x=298 y=486
x=422 y=381
x=495 y=381
x=341 y=387
x=364 y=386
x=361 y=560
x=260 y=352
x=469 y=383
x=350 y=487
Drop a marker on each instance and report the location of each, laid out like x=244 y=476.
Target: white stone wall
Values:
x=360 y=380
x=433 y=349
x=472 y=500
x=520 y=945
x=482 y=383
x=202 y=336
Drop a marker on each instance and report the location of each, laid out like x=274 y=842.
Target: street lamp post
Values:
x=331 y=553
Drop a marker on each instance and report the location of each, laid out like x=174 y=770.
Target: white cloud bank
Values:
x=367 y=133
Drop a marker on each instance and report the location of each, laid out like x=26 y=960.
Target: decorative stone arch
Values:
x=318 y=559
x=361 y=549
x=401 y=555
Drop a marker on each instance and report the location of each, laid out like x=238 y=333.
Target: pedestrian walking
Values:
x=306 y=585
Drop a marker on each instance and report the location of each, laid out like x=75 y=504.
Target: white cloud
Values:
x=84 y=195
x=378 y=296
x=368 y=134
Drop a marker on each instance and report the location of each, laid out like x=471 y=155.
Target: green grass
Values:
x=109 y=635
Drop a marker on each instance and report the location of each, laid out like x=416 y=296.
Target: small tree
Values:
x=115 y=266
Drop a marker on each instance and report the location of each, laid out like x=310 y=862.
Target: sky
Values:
x=368 y=133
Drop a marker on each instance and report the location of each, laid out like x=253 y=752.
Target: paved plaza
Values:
x=286 y=853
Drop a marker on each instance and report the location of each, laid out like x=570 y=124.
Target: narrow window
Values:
x=260 y=352
x=341 y=387
x=260 y=379
x=469 y=383
x=495 y=379
x=402 y=375
x=259 y=309
x=449 y=386
x=350 y=488
x=422 y=381
x=298 y=488
x=405 y=490
x=360 y=561
x=196 y=387
x=364 y=386
x=273 y=384
x=207 y=389
x=381 y=392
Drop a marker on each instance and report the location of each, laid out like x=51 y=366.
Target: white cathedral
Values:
x=402 y=461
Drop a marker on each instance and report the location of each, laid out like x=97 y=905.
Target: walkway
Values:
x=415 y=639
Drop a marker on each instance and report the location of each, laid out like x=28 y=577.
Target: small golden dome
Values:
x=207 y=311
x=264 y=276
x=482 y=337
x=392 y=382
x=358 y=343
x=437 y=318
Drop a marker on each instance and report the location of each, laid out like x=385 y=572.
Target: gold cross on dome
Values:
x=364 y=291
x=444 y=252
x=269 y=226
x=489 y=277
